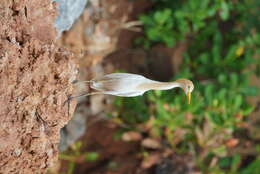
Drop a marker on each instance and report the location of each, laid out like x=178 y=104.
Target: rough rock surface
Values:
x=35 y=78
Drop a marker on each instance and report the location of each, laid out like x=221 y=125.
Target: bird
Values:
x=131 y=85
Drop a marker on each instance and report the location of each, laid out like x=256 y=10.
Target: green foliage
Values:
x=74 y=155
x=219 y=60
x=91 y=156
x=137 y=109
x=252 y=168
x=171 y=21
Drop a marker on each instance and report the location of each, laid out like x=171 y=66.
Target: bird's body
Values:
x=120 y=84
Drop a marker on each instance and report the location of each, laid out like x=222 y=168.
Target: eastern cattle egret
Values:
x=131 y=85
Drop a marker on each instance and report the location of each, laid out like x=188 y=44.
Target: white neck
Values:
x=155 y=85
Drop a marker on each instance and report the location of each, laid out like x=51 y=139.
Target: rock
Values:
x=75 y=128
x=69 y=11
x=36 y=77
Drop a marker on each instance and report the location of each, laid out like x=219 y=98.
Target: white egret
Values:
x=131 y=85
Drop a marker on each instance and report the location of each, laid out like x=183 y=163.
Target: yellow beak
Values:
x=189 y=97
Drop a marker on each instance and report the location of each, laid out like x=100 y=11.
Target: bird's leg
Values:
x=71 y=97
x=85 y=81
x=82 y=95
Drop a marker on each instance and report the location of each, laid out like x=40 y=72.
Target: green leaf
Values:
x=247 y=110
x=162 y=17
x=235 y=162
x=225 y=161
x=252 y=168
x=238 y=101
x=220 y=151
x=153 y=34
x=250 y=90
x=91 y=156
x=224 y=12
x=222 y=78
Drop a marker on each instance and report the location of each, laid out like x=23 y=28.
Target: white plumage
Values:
x=130 y=85
x=120 y=84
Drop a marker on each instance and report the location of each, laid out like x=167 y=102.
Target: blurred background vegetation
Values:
x=223 y=52
x=223 y=48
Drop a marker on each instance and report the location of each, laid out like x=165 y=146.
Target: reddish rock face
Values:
x=35 y=80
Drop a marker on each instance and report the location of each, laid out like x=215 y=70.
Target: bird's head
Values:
x=187 y=87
